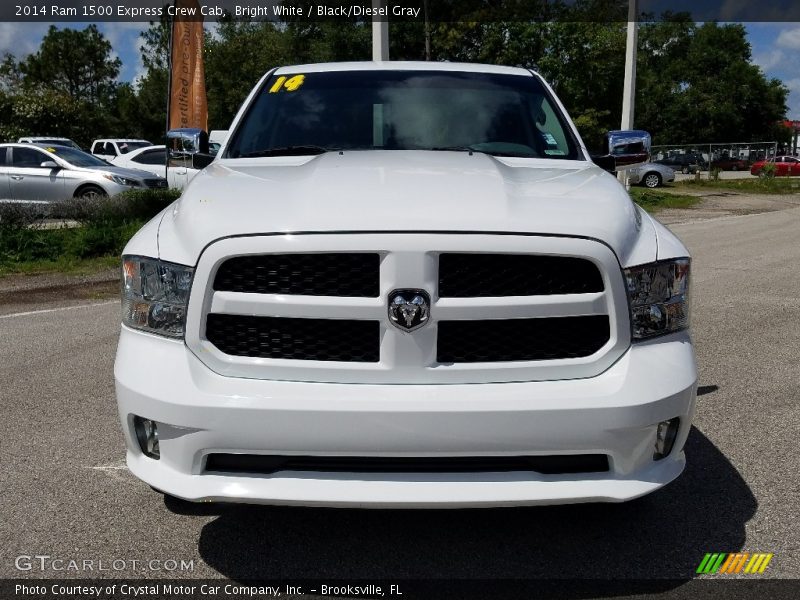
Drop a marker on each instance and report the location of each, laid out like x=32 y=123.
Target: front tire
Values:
x=91 y=192
x=685 y=170
x=652 y=180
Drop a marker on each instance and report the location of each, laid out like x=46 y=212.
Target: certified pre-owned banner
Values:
x=187 y=104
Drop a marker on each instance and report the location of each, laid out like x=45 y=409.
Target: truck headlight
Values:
x=154 y=295
x=659 y=297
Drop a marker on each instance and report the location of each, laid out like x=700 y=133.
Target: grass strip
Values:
x=658 y=199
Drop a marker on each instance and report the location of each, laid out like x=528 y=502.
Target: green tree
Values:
x=235 y=59
x=76 y=63
x=697 y=84
x=142 y=105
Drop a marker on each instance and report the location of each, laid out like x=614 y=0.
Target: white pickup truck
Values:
x=406 y=285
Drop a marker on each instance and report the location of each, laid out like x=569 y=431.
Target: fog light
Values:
x=666 y=433
x=147 y=436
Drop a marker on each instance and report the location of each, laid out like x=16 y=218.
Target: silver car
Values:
x=49 y=173
x=651 y=175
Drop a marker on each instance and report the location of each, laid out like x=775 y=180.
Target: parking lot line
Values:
x=49 y=310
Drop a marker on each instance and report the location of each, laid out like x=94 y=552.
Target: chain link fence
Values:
x=713 y=157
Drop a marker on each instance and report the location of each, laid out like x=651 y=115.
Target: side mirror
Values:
x=183 y=144
x=201 y=160
x=50 y=164
x=188 y=140
x=623 y=150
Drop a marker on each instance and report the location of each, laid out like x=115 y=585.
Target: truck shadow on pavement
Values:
x=664 y=535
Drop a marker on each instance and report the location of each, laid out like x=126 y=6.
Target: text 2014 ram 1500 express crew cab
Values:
x=406 y=285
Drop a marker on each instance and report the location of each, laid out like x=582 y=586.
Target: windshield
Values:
x=505 y=115
x=77 y=158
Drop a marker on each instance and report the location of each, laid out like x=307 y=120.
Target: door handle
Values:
x=17 y=177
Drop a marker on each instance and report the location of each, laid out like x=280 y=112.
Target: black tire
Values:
x=90 y=192
x=685 y=170
x=734 y=168
x=651 y=180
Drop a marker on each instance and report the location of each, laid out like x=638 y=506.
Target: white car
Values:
x=110 y=149
x=218 y=136
x=406 y=285
x=49 y=141
x=153 y=159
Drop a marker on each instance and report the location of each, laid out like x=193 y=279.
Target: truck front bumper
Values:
x=199 y=412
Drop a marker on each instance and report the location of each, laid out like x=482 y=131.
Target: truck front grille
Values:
x=331 y=274
x=318 y=307
x=521 y=339
x=297 y=339
x=465 y=275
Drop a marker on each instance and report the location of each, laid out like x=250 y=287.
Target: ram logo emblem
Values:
x=409 y=309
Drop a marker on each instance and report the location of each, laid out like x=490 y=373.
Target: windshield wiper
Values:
x=287 y=151
x=510 y=154
x=453 y=149
x=479 y=150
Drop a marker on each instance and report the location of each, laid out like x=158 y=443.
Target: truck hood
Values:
x=404 y=191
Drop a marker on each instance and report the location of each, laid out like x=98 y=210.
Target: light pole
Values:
x=380 y=33
x=629 y=90
x=629 y=85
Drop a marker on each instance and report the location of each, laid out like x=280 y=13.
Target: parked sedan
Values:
x=685 y=163
x=153 y=159
x=42 y=173
x=651 y=175
x=729 y=163
x=785 y=166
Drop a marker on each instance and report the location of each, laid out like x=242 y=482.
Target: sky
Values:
x=776 y=49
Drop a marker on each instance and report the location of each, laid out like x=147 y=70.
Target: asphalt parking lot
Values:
x=65 y=492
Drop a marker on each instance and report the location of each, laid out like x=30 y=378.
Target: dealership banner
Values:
x=474 y=11
x=188 y=106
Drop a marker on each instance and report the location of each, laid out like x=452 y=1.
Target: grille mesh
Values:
x=337 y=274
x=521 y=339
x=483 y=275
x=298 y=339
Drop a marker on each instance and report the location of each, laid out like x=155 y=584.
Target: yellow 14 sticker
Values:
x=289 y=84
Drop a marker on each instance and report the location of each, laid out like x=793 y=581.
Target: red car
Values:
x=785 y=166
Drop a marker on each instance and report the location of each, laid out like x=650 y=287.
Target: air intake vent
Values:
x=297 y=339
x=339 y=274
x=267 y=464
x=521 y=339
x=466 y=275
